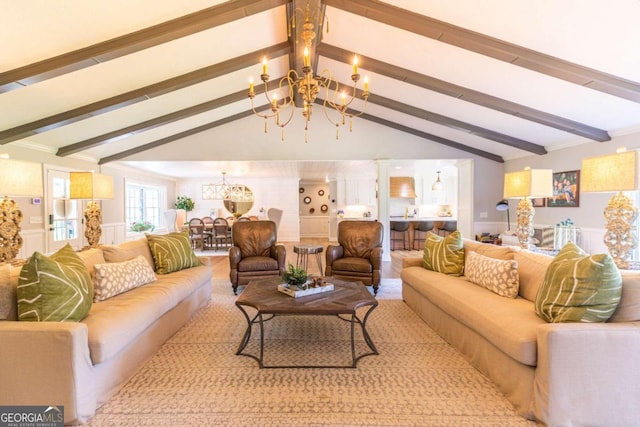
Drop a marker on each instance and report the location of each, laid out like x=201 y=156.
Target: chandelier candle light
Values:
x=308 y=86
x=528 y=183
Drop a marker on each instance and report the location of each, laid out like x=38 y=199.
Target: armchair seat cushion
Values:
x=257 y=263
x=357 y=265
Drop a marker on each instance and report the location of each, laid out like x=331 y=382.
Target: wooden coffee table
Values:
x=344 y=300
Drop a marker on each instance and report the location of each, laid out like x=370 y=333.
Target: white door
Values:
x=64 y=215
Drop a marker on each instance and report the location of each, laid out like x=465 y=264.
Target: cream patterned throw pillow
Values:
x=499 y=276
x=579 y=287
x=114 y=278
x=444 y=254
x=172 y=252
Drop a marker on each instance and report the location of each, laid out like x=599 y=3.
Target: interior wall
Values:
x=590 y=211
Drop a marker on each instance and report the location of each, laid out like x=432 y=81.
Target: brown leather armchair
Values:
x=254 y=254
x=359 y=253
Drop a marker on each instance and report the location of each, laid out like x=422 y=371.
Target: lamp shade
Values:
x=20 y=179
x=608 y=174
x=528 y=183
x=90 y=186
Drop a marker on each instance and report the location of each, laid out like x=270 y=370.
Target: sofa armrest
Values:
x=334 y=252
x=587 y=374
x=47 y=363
x=279 y=253
x=411 y=262
x=376 y=258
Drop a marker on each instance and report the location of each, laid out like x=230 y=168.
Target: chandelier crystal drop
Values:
x=336 y=100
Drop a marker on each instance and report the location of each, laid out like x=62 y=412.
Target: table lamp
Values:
x=17 y=179
x=91 y=186
x=527 y=184
x=615 y=173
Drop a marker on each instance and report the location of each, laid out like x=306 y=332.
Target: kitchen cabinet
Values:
x=360 y=192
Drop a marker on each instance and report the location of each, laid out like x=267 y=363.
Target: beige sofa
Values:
x=81 y=364
x=561 y=374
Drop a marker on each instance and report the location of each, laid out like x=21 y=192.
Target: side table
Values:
x=304 y=251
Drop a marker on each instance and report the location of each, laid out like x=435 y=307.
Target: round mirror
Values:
x=239 y=200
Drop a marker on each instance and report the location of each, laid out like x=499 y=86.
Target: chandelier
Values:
x=219 y=191
x=335 y=102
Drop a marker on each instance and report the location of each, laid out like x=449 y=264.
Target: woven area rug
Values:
x=417 y=380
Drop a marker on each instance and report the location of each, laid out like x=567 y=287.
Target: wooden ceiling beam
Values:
x=490 y=46
x=137 y=128
x=456 y=124
x=431 y=137
x=465 y=94
x=181 y=135
x=141 y=94
x=134 y=42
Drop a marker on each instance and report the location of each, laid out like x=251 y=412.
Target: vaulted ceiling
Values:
x=110 y=79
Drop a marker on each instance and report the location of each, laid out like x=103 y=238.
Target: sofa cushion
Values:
x=629 y=308
x=257 y=263
x=492 y=251
x=54 y=289
x=171 y=252
x=499 y=276
x=114 y=278
x=353 y=264
x=115 y=322
x=579 y=287
x=128 y=250
x=531 y=269
x=8 y=283
x=444 y=254
x=482 y=311
x=91 y=257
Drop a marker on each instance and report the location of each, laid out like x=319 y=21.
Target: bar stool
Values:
x=399 y=231
x=420 y=233
x=447 y=227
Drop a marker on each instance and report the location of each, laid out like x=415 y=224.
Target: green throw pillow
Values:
x=54 y=289
x=444 y=254
x=579 y=288
x=172 y=252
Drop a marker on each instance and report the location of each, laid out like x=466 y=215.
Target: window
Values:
x=143 y=203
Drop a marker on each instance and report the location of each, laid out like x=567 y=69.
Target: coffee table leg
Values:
x=247 y=332
x=365 y=334
x=247 y=336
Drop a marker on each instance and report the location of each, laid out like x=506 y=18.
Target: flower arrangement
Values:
x=142 y=226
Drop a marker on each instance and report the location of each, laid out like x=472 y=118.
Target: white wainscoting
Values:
x=314 y=226
x=590 y=238
x=32 y=240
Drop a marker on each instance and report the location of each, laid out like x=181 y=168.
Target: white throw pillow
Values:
x=114 y=278
x=499 y=276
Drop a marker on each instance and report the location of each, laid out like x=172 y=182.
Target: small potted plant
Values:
x=142 y=226
x=295 y=276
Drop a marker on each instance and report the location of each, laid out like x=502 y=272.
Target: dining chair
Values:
x=197 y=235
x=221 y=233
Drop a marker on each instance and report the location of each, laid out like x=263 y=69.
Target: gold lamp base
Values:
x=621 y=235
x=524 y=224
x=10 y=219
x=93 y=219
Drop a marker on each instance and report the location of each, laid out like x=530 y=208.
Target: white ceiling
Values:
x=595 y=35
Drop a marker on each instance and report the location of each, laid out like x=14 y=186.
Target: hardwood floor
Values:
x=390 y=269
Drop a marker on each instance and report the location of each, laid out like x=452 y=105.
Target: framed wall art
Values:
x=566 y=190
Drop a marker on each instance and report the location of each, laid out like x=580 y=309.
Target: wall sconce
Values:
x=615 y=173
x=437 y=185
x=17 y=179
x=91 y=186
x=528 y=183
